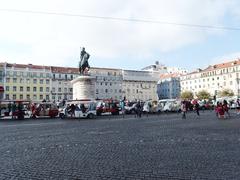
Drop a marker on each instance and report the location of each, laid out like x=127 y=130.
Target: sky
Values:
x=55 y=36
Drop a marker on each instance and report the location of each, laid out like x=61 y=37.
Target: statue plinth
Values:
x=84 y=87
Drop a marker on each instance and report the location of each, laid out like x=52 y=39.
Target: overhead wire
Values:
x=124 y=19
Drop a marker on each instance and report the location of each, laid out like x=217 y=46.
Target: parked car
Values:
x=79 y=109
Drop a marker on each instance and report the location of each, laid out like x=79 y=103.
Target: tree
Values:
x=226 y=93
x=203 y=94
x=187 y=95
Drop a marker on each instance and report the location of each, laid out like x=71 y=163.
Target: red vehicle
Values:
x=44 y=109
x=108 y=106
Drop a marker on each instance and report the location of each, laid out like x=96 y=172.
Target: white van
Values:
x=79 y=109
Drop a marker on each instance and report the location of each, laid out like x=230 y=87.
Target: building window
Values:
x=54 y=76
x=59 y=76
x=21 y=96
x=28 y=97
x=34 y=96
x=70 y=89
x=96 y=91
x=28 y=89
x=59 y=89
x=47 y=97
x=34 y=89
x=65 y=90
x=47 y=81
x=71 y=77
x=14 y=96
x=7 y=96
x=65 y=76
x=231 y=82
x=14 y=80
x=47 y=89
x=21 y=88
x=106 y=90
x=41 y=89
x=41 y=81
x=41 y=97
x=7 y=88
x=21 y=80
x=41 y=75
x=28 y=81
x=34 y=81
x=14 y=88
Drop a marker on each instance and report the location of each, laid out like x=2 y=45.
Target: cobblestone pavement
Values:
x=153 y=147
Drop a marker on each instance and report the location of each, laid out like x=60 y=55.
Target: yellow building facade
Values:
x=27 y=82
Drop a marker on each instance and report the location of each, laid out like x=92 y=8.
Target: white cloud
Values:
x=55 y=40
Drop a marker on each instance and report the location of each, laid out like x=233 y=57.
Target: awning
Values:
x=1 y=89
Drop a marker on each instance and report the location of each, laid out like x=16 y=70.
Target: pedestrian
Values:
x=238 y=106
x=197 y=108
x=216 y=109
x=138 y=109
x=14 y=108
x=183 y=109
x=226 y=108
x=72 y=110
x=221 y=111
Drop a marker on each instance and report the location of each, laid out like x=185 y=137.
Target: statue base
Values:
x=84 y=87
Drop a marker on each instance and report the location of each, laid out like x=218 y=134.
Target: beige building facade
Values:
x=52 y=83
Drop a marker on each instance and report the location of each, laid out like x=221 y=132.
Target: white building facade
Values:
x=213 y=79
x=139 y=85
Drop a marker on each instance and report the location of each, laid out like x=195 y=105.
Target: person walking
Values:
x=183 y=109
x=197 y=108
x=226 y=108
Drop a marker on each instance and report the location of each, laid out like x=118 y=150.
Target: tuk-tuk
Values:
x=44 y=109
x=85 y=108
x=108 y=106
x=15 y=109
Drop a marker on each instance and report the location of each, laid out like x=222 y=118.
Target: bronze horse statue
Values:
x=83 y=64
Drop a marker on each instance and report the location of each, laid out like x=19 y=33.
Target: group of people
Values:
x=185 y=106
x=221 y=108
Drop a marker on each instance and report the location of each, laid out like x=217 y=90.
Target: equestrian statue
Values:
x=83 y=63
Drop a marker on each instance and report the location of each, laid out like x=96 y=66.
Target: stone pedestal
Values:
x=83 y=87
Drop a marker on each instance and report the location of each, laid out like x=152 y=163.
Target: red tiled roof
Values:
x=27 y=66
x=171 y=75
x=218 y=66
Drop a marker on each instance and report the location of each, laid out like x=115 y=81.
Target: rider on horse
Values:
x=83 y=64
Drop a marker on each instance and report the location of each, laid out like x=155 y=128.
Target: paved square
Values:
x=153 y=147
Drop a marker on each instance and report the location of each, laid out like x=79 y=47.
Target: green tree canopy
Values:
x=226 y=93
x=187 y=95
x=203 y=94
